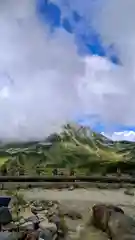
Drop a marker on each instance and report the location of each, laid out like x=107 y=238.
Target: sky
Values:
x=63 y=60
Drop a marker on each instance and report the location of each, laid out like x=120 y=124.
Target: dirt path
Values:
x=92 y=195
x=84 y=198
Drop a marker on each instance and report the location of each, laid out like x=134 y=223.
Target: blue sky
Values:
x=88 y=41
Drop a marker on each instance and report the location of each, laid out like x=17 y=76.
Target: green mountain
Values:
x=75 y=147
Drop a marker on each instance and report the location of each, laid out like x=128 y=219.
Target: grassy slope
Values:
x=76 y=147
x=3 y=160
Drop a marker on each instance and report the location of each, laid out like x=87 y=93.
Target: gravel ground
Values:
x=92 y=195
x=84 y=198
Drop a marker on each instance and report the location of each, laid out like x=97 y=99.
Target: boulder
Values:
x=54 y=219
x=9 y=227
x=6 y=235
x=129 y=191
x=41 y=216
x=48 y=225
x=35 y=210
x=27 y=226
x=29 y=235
x=46 y=234
x=114 y=222
x=121 y=226
x=62 y=228
x=32 y=218
x=30 y=223
x=35 y=203
x=101 y=214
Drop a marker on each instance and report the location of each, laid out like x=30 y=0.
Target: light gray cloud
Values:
x=45 y=83
x=115 y=24
x=38 y=74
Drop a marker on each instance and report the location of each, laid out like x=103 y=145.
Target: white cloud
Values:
x=114 y=21
x=43 y=81
x=124 y=135
x=38 y=73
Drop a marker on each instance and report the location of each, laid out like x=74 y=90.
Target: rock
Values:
x=129 y=191
x=27 y=205
x=101 y=214
x=50 y=203
x=52 y=213
x=70 y=213
x=10 y=235
x=41 y=216
x=5 y=216
x=22 y=221
x=116 y=209
x=45 y=204
x=121 y=226
x=9 y=227
x=46 y=212
x=48 y=225
x=27 y=226
x=33 y=219
x=62 y=228
x=71 y=188
x=46 y=235
x=74 y=215
x=36 y=203
x=35 y=210
x=30 y=235
x=114 y=222
x=54 y=218
x=5 y=235
x=30 y=223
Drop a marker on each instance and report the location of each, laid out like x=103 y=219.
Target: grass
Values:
x=3 y=160
x=75 y=147
x=48 y=171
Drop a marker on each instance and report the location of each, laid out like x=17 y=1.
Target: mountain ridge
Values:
x=75 y=146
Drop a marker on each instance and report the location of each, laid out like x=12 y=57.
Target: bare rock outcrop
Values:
x=112 y=220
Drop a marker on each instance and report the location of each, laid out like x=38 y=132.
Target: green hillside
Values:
x=76 y=147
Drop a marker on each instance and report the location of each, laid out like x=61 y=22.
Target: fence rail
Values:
x=101 y=179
